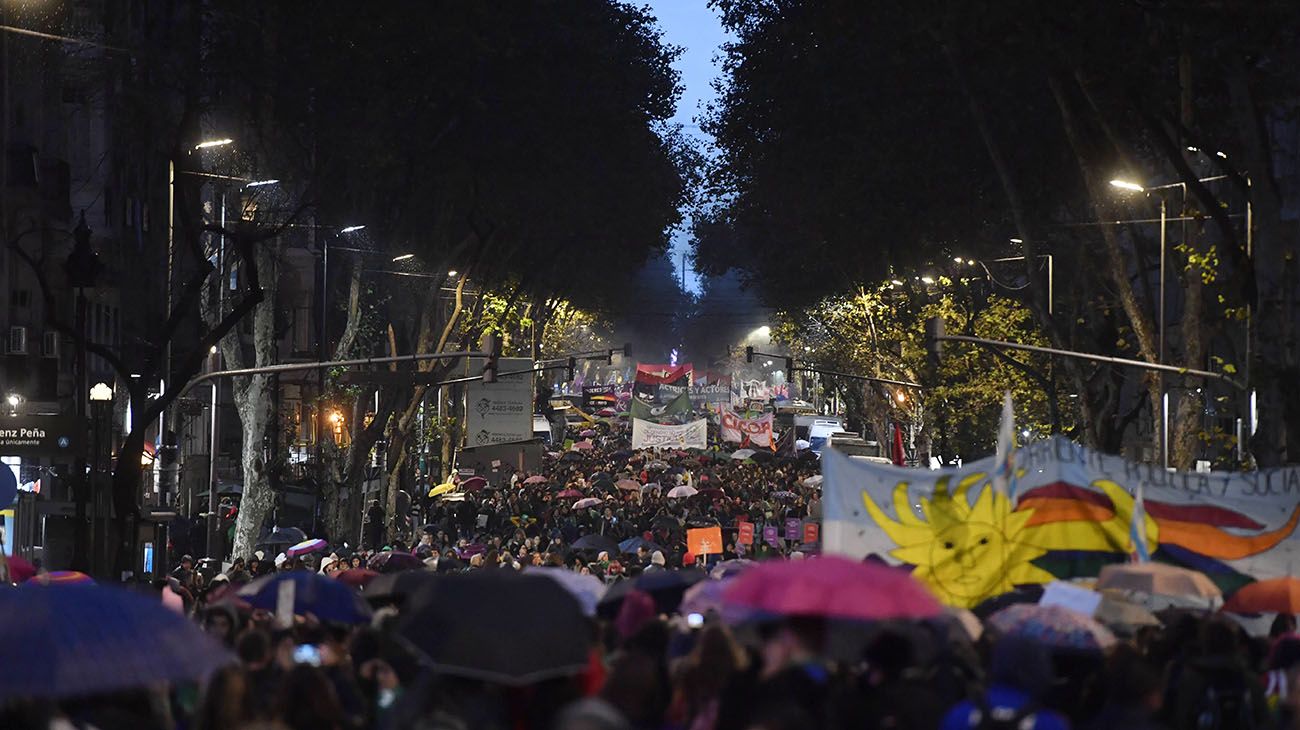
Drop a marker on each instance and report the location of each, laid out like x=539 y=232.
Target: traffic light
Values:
x=492 y=346
x=789 y=368
x=627 y=349
x=572 y=368
x=934 y=332
x=749 y=354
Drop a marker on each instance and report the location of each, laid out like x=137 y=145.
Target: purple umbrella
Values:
x=390 y=561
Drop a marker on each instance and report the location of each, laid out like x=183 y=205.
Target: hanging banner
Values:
x=702 y=393
x=500 y=412
x=811 y=532
x=792 y=527
x=1065 y=512
x=664 y=374
x=752 y=431
x=647 y=435
x=595 y=397
x=679 y=406
x=771 y=537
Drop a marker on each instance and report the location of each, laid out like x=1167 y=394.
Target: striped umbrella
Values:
x=306 y=547
x=62 y=577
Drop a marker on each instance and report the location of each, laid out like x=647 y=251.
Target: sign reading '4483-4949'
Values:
x=50 y=436
x=500 y=412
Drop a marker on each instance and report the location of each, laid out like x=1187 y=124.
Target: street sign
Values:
x=52 y=436
x=501 y=411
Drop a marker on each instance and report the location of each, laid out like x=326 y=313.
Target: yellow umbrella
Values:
x=442 y=489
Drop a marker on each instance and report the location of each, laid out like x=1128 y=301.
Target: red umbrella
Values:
x=357 y=578
x=473 y=484
x=570 y=494
x=832 y=587
x=606 y=412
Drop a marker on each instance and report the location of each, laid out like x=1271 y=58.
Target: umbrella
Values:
x=587 y=433
x=656 y=465
x=628 y=485
x=742 y=454
x=599 y=475
x=731 y=567
x=813 y=481
x=682 y=491
x=282 y=536
x=470 y=625
x=833 y=587
x=706 y=596
x=390 y=561
x=783 y=494
x=325 y=598
x=571 y=456
x=473 y=484
x=597 y=542
x=442 y=489
x=470 y=550
x=1159 y=579
x=356 y=578
x=588 y=502
x=306 y=547
x=73 y=640
x=1053 y=626
x=396 y=587
x=62 y=577
x=606 y=412
x=586 y=588
x=584 y=445
x=631 y=544
x=569 y=494
x=666 y=587
x=1124 y=616
x=538 y=479
x=711 y=492
x=1276 y=595
x=1021 y=594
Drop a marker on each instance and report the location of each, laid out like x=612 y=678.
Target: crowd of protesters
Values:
x=652 y=668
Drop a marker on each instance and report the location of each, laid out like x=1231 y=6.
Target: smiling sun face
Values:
x=965 y=553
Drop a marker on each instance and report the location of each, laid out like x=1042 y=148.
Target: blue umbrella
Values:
x=631 y=544
x=324 y=598
x=597 y=542
x=75 y=640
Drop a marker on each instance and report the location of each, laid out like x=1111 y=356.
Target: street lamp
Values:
x=13 y=400
x=1129 y=186
x=210 y=143
x=261 y=183
x=403 y=257
x=100 y=393
x=351 y=229
x=452 y=273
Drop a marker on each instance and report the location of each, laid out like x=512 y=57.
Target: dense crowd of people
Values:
x=653 y=665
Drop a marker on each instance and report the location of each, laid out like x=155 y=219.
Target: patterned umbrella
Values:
x=1053 y=626
x=569 y=494
x=325 y=598
x=584 y=445
x=586 y=433
x=588 y=502
x=74 y=640
x=682 y=491
x=535 y=480
x=306 y=547
x=1160 y=580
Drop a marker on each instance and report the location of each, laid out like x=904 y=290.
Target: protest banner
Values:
x=745 y=533
x=792 y=527
x=748 y=431
x=595 y=397
x=679 y=406
x=1062 y=512
x=770 y=536
x=811 y=532
x=664 y=374
x=648 y=435
x=704 y=540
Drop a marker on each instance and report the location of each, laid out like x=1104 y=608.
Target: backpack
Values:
x=984 y=717
x=1226 y=703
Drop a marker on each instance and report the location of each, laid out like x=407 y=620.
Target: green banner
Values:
x=679 y=406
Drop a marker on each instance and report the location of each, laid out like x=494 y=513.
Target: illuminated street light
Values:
x=451 y=273
x=1126 y=185
x=1017 y=240
x=261 y=183
x=351 y=229
x=101 y=392
x=403 y=257
x=927 y=279
x=901 y=397
x=895 y=282
x=213 y=143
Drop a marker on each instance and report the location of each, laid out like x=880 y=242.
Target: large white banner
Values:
x=500 y=412
x=749 y=431
x=648 y=435
x=1066 y=512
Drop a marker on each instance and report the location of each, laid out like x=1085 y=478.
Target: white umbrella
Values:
x=586 y=588
x=802 y=444
x=813 y=481
x=587 y=502
x=682 y=491
x=742 y=454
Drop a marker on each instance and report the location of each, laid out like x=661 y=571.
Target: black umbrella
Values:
x=571 y=456
x=596 y=542
x=73 y=640
x=762 y=455
x=497 y=626
x=397 y=587
x=281 y=537
x=1020 y=594
x=666 y=587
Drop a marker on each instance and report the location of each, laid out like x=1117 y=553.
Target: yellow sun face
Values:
x=965 y=553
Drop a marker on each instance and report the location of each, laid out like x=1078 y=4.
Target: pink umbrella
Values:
x=535 y=480
x=305 y=547
x=588 y=502
x=628 y=485
x=584 y=445
x=606 y=412
x=588 y=432
x=570 y=494
x=473 y=484
x=682 y=491
x=832 y=587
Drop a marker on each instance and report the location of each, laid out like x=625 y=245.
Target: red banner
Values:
x=664 y=374
x=811 y=532
x=746 y=536
x=748 y=431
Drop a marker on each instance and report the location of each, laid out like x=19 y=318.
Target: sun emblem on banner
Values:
x=965 y=553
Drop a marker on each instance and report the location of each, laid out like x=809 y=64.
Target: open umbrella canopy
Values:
x=279 y=537
x=666 y=587
x=391 y=561
x=312 y=593
x=74 y=640
x=742 y=454
x=396 y=587
x=445 y=488
x=306 y=547
x=587 y=432
x=584 y=445
x=1158 y=579
x=833 y=587
x=356 y=578
x=470 y=625
x=587 y=589
x=606 y=412
x=710 y=492
x=536 y=479
x=631 y=545
x=1053 y=626
x=597 y=542
x=571 y=456
x=569 y=494
x=1276 y=595
x=682 y=491
x=628 y=485
x=588 y=502
x=1123 y=616
x=813 y=481
x=473 y=484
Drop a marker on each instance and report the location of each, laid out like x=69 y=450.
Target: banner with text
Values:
x=661 y=374
x=647 y=435
x=595 y=397
x=679 y=406
x=500 y=412
x=740 y=430
x=1067 y=512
